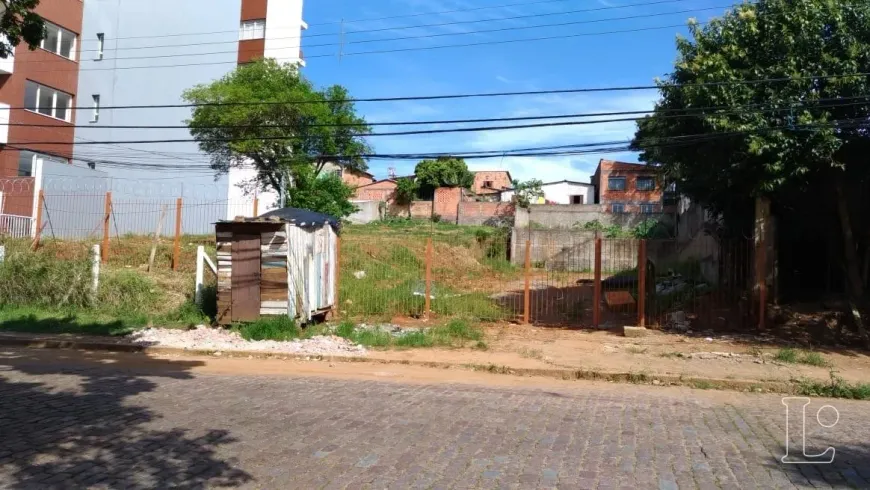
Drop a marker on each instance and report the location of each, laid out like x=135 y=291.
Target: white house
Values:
x=561 y=192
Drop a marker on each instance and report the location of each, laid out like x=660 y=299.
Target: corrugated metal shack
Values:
x=280 y=263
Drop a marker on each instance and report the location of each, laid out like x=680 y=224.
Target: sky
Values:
x=581 y=61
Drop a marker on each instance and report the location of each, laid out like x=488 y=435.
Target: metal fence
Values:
x=13 y=226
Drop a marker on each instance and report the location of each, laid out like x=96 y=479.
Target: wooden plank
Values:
x=273 y=295
x=224 y=234
x=615 y=299
x=273 y=311
x=246 y=277
x=274 y=304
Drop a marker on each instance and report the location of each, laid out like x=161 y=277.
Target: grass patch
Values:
x=41 y=320
x=280 y=328
x=703 y=385
x=456 y=333
x=531 y=353
x=835 y=388
x=792 y=356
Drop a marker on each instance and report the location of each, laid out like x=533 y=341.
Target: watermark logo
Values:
x=796 y=431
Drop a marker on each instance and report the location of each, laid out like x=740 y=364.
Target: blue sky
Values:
x=590 y=61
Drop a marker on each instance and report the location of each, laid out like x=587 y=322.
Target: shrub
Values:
x=36 y=279
x=270 y=328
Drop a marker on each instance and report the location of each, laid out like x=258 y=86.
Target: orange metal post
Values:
x=176 y=249
x=104 y=253
x=39 y=206
x=428 y=303
x=596 y=295
x=527 y=290
x=641 y=283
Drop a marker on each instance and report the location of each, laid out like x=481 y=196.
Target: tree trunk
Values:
x=852 y=265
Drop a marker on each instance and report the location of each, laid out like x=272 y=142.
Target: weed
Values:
x=814 y=359
x=671 y=355
x=703 y=385
x=637 y=378
x=835 y=388
x=633 y=349
x=755 y=351
x=458 y=330
x=531 y=353
x=280 y=328
x=481 y=345
x=809 y=358
x=415 y=339
x=787 y=354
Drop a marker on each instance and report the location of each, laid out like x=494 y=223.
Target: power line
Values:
x=423 y=48
x=689 y=112
x=428 y=36
x=627 y=88
x=236 y=31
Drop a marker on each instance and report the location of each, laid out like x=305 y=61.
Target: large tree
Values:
x=268 y=114
x=444 y=171
x=772 y=100
x=19 y=23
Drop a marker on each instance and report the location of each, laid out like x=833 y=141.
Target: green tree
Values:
x=325 y=193
x=792 y=140
x=406 y=192
x=19 y=23
x=267 y=114
x=444 y=171
x=526 y=193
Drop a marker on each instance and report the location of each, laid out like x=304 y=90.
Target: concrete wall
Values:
x=572 y=216
x=561 y=192
x=367 y=212
x=485 y=213
x=567 y=250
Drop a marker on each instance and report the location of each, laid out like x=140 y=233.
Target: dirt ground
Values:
x=527 y=347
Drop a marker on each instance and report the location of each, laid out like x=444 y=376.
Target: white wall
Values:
x=561 y=192
x=284 y=27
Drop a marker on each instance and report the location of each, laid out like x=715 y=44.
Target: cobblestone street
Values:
x=73 y=421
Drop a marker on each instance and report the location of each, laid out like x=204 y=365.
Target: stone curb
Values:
x=562 y=374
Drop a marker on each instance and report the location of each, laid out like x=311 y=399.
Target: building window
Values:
x=101 y=41
x=647 y=208
x=577 y=199
x=617 y=208
x=47 y=101
x=59 y=41
x=92 y=165
x=252 y=29
x=27 y=161
x=646 y=183
x=616 y=183
x=95 y=117
x=487 y=184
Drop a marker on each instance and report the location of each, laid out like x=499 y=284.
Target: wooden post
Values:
x=527 y=289
x=176 y=248
x=428 y=304
x=39 y=206
x=104 y=251
x=641 y=283
x=256 y=206
x=596 y=295
x=156 y=237
x=762 y=215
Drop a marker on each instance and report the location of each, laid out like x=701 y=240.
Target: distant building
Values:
x=561 y=192
x=629 y=188
x=491 y=182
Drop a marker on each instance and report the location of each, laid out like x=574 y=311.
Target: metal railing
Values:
x=14 y=226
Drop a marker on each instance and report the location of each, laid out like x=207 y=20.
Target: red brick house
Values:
x=629 y=188
x=488 y=182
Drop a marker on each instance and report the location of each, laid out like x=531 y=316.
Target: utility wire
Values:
x=687 y=112
x=627 y=88
x=427 y=36
x=236 y=31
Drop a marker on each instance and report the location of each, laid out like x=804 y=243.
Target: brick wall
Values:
x=447 y=201
x=484 y=213
x=499 y=178
x=356 y=179
x=379 y=191
x=576 y=215
x=631 y=197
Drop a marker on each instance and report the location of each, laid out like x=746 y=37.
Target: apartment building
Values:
x=148 y=53
x=38 y=88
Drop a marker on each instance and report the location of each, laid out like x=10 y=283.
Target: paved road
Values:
x=68 y=421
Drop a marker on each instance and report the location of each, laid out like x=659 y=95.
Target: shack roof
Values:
x=303 y=218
